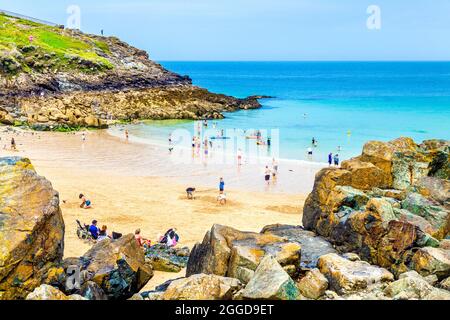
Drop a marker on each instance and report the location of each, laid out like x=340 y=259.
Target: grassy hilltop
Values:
x=52 y=49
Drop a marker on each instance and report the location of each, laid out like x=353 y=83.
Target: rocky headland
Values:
x=52 y=78
x=377 y=228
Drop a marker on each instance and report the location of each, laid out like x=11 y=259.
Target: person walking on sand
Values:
x=239 y=157
x=13 y=144
x=127 y=134
x=83 y=136
x=221 y=186
x=274 y=168
x=330 y=159
x=336 y=160
x=267 y=175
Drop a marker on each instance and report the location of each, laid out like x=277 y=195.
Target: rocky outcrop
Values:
x=228 y=252
x=345 y=276
x=48 y=87
x=385 y=203
x=31 y=228
x=117 y=267
x=163 y=258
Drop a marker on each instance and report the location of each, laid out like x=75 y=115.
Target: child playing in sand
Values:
x=222 y=199
x=86 y=204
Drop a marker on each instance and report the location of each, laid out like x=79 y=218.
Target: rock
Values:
x=436 y=215
x=351 y=256
x=202 y=287
x=407 y=288
x=270 y=282
x=438 y=294
x=31 y=231
x=312 y=246
x=385 y=203
x=46 y=292
x=137 y=297
x=365 y=175
x=313 y=285
x=346 y=276
x=445 y=244
x=225 y=250
x=445 y=284
x=163 y=258
x=92 y=291
x=428 y=261
x=118 y=267
x=153 y=295
x=431 y=279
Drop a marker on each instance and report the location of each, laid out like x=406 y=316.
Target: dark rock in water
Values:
x=313 y=246
x=31 y=228
x=166 y=259
x=228 y=252
x=118 y=267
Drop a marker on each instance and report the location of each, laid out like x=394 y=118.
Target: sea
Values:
x=341 y=105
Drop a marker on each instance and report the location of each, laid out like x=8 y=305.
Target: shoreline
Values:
x=125 y=195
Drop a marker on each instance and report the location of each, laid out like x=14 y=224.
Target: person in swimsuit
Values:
x=267 y=175
x=13 y=144
x=86 y=204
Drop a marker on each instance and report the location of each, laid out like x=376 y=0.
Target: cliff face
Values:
x=390 y=205
x=51 y=76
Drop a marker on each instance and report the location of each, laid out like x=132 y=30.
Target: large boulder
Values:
x=118 y=267
x=385 y=203
x=345 y=276
x=428 y=261
x=270 y=282
x=228 y=252
x=415 y=288
x=313 y=246
x=31 y=228
x=202 y=287
x=166 y=259
x=313 y=285
x=47 y=292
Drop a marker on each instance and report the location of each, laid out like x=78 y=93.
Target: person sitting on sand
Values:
x=190 y=193
x=170 y=238
x=142 y=242
x=222 y=199
x=103 y=234
x=93 y=230
x=86 y=204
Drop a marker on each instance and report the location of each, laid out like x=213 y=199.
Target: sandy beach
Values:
x=132 y=185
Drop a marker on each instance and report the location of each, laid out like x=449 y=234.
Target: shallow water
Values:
x=341 y=104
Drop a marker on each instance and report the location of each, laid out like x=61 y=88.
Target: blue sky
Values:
x=262 y=29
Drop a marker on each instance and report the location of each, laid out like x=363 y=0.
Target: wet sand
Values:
x=133 y=186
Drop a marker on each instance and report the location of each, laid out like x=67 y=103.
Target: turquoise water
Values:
x=369 y=100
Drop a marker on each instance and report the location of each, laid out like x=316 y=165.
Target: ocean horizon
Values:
x=341 y=105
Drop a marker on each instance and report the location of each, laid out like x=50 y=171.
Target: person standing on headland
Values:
x=330 y=159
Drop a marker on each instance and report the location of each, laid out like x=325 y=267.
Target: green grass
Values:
x=64 y=49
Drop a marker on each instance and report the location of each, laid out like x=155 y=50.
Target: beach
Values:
x=130 y=186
